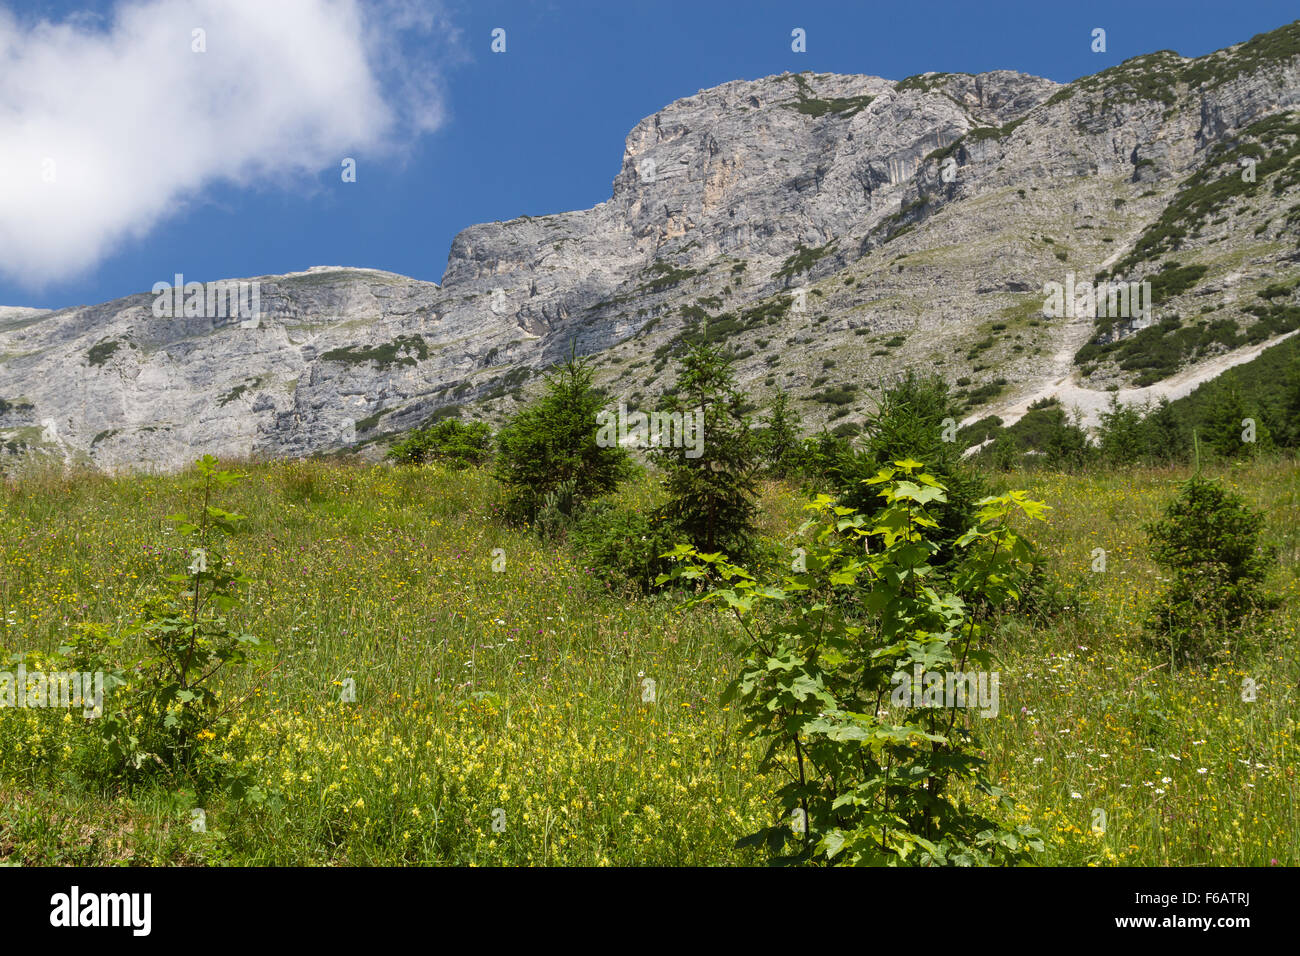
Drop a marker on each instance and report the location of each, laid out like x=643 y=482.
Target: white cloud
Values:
x=132 y=123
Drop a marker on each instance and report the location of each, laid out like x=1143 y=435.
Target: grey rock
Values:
x=917 y=222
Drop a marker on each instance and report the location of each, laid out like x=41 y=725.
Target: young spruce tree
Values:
x=778 y=438
x=711 y=496
x=551 y=446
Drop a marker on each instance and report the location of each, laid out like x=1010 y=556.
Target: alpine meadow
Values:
x=898 y=473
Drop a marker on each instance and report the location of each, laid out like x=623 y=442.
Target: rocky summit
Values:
x=831 y=230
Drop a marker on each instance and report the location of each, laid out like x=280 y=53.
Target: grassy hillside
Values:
x=521 y=690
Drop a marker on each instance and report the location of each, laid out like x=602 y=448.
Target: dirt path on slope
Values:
x=1062 y=378
x=1091 y=402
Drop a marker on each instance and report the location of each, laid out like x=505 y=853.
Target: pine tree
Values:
x=1067 y=445
x=550 y=446
x=1003 y=453
x=910 y=423
x=1209 y=541
x=1287 y=427
x=779 y=438
x=1121 y=434
x=711 y=495
x=1224 y=425
x=1165 y=434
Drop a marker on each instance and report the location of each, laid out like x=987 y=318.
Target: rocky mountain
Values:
x=833 y=230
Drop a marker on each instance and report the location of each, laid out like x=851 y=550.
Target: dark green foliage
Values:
x=778 y=438
x=1003 y=454
x=1268 y=389
x=17 y=405
x=979 y=431
x=1151 y=76
x=1166 y=435
x=449 y=441
x=842 y=106
x=1044 y=435
x=1142 y=434
x=403 y=350
x=704 y=328
x=1163 y=76
x=1261 y=51
x=664 y=275
x=100 y=351
x=1174 y=279
x=1227 y=425
x=925 y=83
x=622 y=547
x=822 y=459
x=979 y=395
x=238 y=390
x=1208 y=540
x=801 y=260
x=711 y=496
x=1159 y=350
x=1121 y=434
x=553 y=441
x=1273 y=142
x=839 y=395
x=1066 y=443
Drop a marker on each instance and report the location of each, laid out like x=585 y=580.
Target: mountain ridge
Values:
x=807 y=220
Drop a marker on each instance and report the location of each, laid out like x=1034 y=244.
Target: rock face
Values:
x=833 y=230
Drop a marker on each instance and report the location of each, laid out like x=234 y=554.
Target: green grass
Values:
x=521 y=690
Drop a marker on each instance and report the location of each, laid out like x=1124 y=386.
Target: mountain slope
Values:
x=832 y=229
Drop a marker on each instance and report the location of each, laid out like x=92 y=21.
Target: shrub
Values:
x=553 y=441
x=621 y=546
x=819 y=460
x=168 y=704
x=915 y=418
x=1225 y=425
x=1121 y=435
x=1208 y=539
x=449 y=441
x=1058 y=439
x=778 y=438
x=865 y=788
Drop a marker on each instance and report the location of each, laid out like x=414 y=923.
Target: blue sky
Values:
x=540 y=128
